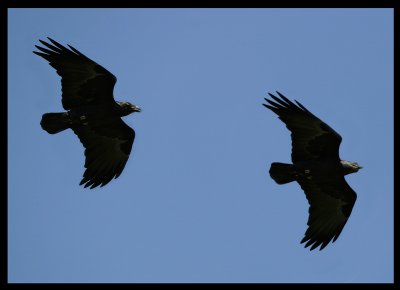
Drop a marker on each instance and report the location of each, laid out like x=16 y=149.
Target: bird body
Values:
x=91 y=112
x=311 y=169
x=318 y=170
x=100 y=114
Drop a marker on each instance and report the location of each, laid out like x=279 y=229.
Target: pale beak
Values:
x=136 y=108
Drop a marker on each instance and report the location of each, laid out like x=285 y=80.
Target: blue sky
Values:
x=195 y=202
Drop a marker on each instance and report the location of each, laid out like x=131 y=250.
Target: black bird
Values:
x=92 y=113
x=318 y=169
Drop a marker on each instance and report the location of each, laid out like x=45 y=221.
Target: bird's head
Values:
x=128 y=108
x=350 y=167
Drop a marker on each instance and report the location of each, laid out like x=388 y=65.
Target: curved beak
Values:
x=136 y=108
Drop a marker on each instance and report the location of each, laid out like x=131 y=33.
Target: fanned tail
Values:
x=55 y=122
x=282 y=173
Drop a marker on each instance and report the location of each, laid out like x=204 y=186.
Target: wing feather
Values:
x=83 y=81
x=311 y=137
x=106 y=151
x=331 y=203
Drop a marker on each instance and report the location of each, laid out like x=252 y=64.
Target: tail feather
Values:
x=282 y=173
x=55 y=122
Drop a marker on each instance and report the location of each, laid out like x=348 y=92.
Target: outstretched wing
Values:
x=83 y=81
x=107 y=148
x=331 y=203
x=311 y=138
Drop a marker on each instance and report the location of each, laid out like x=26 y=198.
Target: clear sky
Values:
x=195 y=202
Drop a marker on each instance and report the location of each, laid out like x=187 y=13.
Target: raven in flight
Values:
x=92 y=113
x=318 y=169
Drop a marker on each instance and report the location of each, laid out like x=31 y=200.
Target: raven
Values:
x=318 y=169
x=92 y=113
